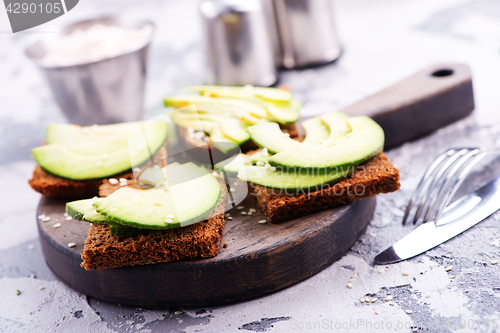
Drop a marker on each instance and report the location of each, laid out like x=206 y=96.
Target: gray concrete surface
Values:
x=384 y=41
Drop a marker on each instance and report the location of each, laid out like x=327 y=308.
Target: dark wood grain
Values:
x=420 y=104
x=259 y=258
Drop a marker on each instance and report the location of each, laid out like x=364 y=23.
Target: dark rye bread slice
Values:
x=53 y=186
x=199 y=240
x=376 y=176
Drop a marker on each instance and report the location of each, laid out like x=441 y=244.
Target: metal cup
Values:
x=237 y=43
x=99 y=92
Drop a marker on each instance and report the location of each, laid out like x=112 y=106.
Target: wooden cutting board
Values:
x=262 y=258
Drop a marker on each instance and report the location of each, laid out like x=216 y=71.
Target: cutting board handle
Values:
x=420 y=104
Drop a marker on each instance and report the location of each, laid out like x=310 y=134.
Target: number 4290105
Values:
x=23 y=8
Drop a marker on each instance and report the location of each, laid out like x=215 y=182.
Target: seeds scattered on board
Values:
x=240 y=207
x=228 y=214
x=263 y=221
x=494 y=262
x=351 y=280
x=41 y=216
x=381 y=270
x=362 y=300
x=45 y=219
x=232 y=190
x=355 y=275
x=65 y=214
x=427 y=295
x=250 y=213
x=451 y=276
x=57 y=225
x=68 y=218
x=406 y=273
x=113 y=181
x=31 y=247
x=41 y=288
x=229 y=218
x=71 y=244
x=409 y=311
x=373 y=300
x=136 y=169
x=349 y=285
x=243 y=213
x=179 y=312
x=388 y=298
x=449 y=268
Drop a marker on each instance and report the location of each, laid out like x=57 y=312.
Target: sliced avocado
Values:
x=229 y=105
x=82 y=210
x=91 y=140
x=232 y=165
x=60 y=161
x=269 y=135
x=291 y=179
x=283 y=112
x=188 y=202
x=272 y=94
x=316 y=131
x=337 y=124
x=245 y=117
x=365 y=140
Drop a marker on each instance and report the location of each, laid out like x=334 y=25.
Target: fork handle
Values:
x=420 y=104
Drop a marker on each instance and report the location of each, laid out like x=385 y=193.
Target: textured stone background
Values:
x=384 y=41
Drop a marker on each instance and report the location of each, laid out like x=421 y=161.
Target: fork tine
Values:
x=448 y=179
x=459 y=180
x=434 y=184
x=418 y=191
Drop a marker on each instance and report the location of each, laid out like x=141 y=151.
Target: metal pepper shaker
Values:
x=238 y=45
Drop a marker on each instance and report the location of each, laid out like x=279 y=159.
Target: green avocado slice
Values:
x=272 y=94
x=189 y=202
x=269 y=135
x=232 y=165
x=283 y=112
x=291 y=180
x=316 y=131
x=337 y=124
x=91 y=140
x=82 y=210
x=365 y=140
x=59 y=160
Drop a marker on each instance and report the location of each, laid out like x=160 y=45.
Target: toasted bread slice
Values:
x=53 y=186
x=199 y=240
x=373 y=177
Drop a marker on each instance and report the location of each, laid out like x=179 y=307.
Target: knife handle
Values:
x=420 y=104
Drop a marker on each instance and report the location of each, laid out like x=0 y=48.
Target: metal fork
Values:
x=441 y=181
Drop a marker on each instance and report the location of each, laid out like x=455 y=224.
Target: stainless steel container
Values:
x=307 y=32
x=100 y=92
x=237 y=43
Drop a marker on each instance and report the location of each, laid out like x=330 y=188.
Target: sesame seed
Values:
x=243 y=213
x=171 y=216
x=179 y=312
x=260 y=163
x=451 y=276
x=240 y=207
x=373 y=300
x=349 y=285
x=250 y=213
x=31 y=247
x=449 y=268
x=99 y=164
x=57 y=225
x=262 y=221
x=113 y=181
x=85 y=130
x=388 y=298
x=123 y=180
x=273 y=169
x=381 y=270
x=355 y=275
x=286 y=135
x=494 y=262
x=71 y=244
x=232 y=190
x=41 y=288
x=227 y=214
x=156 y=167
x=41 y=216
x=123 y=184
x=229 y=218
x=65 y=214
x=427 y=295
x=169 y=220
x=136 y=169
x=406 y=273
x=248 y=161
x=215 y=174
x=45 y=219
x=104 y=156
x=351 y=280
x=68 y=218
x=409 y=311
x=362 y=300
x=252 y=210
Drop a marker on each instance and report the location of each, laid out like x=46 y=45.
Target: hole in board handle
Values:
x=442 y=72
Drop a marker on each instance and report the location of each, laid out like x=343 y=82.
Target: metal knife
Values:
x=458 y=217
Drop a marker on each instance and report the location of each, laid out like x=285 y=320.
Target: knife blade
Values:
x=458 y=217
